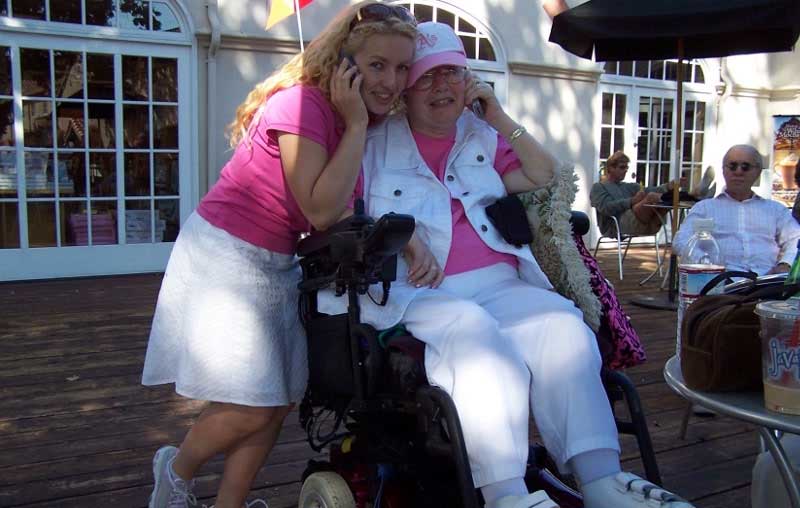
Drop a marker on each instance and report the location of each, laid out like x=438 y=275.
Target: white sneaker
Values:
x=256 y=503
x=538 y=499
x=169 y=491
x=626 y=490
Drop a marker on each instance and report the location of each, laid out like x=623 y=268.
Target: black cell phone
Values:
x=351 y=63
x=477 y=108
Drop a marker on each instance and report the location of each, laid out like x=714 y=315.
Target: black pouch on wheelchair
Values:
x=509 y=217
x=330 y=371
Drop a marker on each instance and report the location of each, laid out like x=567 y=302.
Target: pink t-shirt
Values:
x=252 y=199
x=467 y=250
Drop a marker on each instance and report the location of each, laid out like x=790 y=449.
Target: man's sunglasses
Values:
x=745 y=166
x=382 y=12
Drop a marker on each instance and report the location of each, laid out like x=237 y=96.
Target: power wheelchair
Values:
x=394 y=441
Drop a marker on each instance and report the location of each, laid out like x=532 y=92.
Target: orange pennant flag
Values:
x=281 y=9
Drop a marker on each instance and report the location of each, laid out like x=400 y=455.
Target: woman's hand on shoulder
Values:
x=346 y=97
x=423 y=269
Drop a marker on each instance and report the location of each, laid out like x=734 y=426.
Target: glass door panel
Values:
x=72 y=138
x=654 y=140
x=693 y=139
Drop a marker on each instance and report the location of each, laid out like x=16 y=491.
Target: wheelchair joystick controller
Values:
x=355 y=253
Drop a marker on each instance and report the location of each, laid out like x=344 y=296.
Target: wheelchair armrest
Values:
x=580 y=222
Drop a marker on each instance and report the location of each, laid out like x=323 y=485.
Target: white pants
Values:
x=500 y=346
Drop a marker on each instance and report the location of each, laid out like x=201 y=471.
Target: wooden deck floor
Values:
x=78 y=430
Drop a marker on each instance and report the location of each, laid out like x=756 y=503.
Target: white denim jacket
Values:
x=396 y=179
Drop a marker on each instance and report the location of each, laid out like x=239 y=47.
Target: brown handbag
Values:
x=720 y=343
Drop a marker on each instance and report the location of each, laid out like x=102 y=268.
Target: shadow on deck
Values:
x=78 y=430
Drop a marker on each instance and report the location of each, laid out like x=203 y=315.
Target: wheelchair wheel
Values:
x=326 y=490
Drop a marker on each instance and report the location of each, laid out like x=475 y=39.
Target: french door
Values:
x=642 y=122
x=95 y=162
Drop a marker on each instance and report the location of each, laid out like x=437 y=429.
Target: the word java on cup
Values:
x=780 y=353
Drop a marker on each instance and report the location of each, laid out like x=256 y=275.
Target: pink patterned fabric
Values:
x=619 y=343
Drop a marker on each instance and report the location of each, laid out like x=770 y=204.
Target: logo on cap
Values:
x=426 y=40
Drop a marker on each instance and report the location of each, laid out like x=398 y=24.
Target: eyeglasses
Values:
x=382 y=12
x=745 y=166
x=452 y=75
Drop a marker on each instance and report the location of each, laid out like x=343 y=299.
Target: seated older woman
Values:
x=498 y=339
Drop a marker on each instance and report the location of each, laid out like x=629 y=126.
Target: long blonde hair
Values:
x=316 y=66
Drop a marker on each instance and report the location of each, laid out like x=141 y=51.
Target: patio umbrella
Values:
x=662 y=29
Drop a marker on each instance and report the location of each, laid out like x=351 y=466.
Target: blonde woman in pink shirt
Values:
x=225 y=328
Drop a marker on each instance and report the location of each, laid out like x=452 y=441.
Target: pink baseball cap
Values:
x=437 y=44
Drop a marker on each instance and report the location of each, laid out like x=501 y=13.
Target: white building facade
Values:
x=113 y=112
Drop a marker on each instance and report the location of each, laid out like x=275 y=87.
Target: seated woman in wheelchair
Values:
x=498 y=339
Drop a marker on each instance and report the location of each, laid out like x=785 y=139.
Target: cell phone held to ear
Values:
x=477 y=108
x=350 y=63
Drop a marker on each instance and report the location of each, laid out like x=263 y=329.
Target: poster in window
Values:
x=785 y=153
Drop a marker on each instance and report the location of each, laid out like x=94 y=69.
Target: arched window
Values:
x=483 y=57
x=124 y=15
x=103 y=151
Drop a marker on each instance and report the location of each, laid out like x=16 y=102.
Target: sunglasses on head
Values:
x=745 y=166
x=382 y=12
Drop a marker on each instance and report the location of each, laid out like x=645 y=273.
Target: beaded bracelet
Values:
x=519 y=131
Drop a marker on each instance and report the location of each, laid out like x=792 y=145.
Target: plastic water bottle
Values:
x=703 y=262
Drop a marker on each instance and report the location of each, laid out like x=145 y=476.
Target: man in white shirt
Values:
x=754 y=234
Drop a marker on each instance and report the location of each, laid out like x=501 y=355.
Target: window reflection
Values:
x=101 y=12
x=72 y=136
x=69 y=74
x=103 y=174
x=35 y=69
x=135 y=14
x=136 y=126
x=74 y=223
x=65 y=11
x=72 y=173
x=165 y=174
x=78 y=219
x=5 y=70
x=6 y=122
x=104 y=222
x=165 y=79
x=167 y=220
x=101 y=126
x=39 y=180
x=164 y=19
x=9 y=226
x=42 y=224
x=69 y=125
x=31 y=9
x=37 y=123
x=100 y=75
x=165 y=126
x=138 y=222
x=8 y=174
x=134 y=78
x=137 y=174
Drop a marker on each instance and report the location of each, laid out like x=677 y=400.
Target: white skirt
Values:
x=226 y=325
